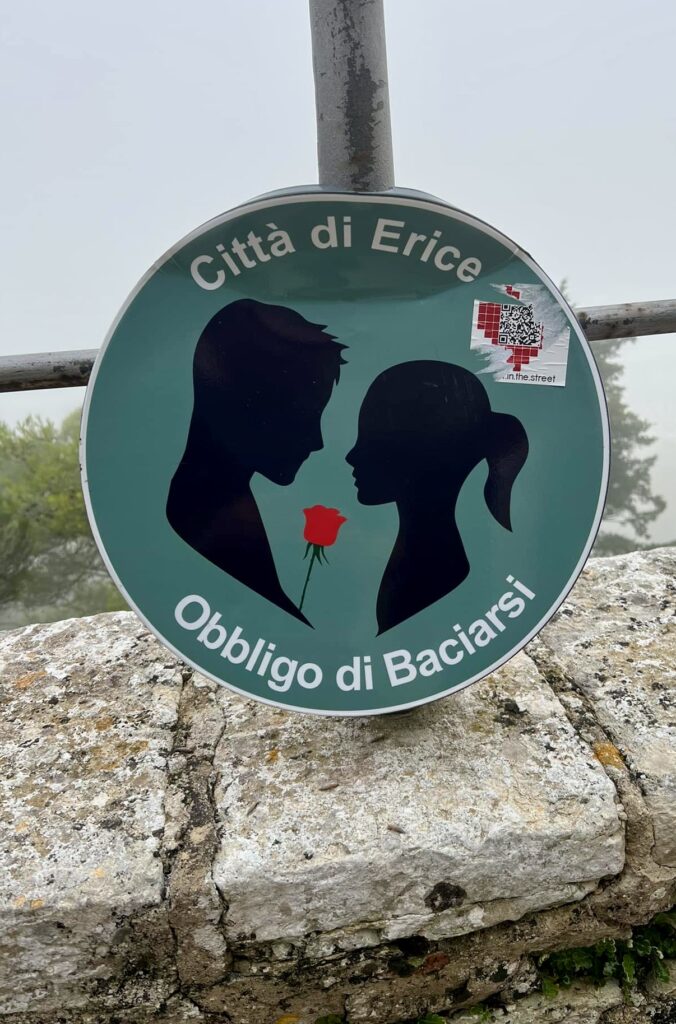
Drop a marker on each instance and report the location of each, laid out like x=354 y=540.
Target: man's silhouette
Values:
x=262 y=376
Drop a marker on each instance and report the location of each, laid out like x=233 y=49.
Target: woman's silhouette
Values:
x=262 y=376
x=423 y=427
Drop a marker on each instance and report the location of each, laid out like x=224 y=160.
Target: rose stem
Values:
x=307 y=578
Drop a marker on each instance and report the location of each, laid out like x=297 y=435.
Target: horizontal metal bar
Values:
x=72 y=369
x=628 y=319
x=46 y=370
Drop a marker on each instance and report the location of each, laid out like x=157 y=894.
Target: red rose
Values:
x=322 y=525
x=321 y=530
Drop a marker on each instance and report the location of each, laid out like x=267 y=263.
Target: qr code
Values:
x=518 y=326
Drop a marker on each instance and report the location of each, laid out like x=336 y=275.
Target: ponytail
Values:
x=506 y=454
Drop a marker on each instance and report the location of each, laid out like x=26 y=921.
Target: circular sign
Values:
x=345 y=454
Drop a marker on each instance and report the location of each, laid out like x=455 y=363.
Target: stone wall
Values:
x=171 y=852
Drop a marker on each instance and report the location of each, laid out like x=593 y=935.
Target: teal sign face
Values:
x=345 y=454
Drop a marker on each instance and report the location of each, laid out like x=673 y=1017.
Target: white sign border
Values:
x=393 y=199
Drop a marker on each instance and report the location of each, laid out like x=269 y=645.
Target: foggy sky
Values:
x=126 y=125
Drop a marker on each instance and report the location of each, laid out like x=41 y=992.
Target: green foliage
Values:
x=331 y=1018
x=482 y=1013
x=550 y=988
x=629 y=962
x=50 y=565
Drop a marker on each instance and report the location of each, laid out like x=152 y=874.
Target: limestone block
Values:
x=87 y=709
x=347 y=833
x=170 y=852
x=615 y=640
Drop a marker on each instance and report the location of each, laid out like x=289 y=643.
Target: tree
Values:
x=51 y=568
x=631 y=504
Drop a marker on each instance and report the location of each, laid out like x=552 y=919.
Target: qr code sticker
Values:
x=518 y=326
x=524 y=341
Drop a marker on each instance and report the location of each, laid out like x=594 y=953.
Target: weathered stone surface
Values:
x=615 y=640
x=580 y=1004
x=174 y=1010
x=348 y=833
x=190 y=839
x=664 y=989
x=172 y=853
x=87 y=712
x=656 y=1005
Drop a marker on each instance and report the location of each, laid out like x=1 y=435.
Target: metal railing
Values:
x=41 y=370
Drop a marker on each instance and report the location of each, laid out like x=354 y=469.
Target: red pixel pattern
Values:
x=492 y=320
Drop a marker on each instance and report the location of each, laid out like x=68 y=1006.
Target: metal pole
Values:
x=354 y=137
